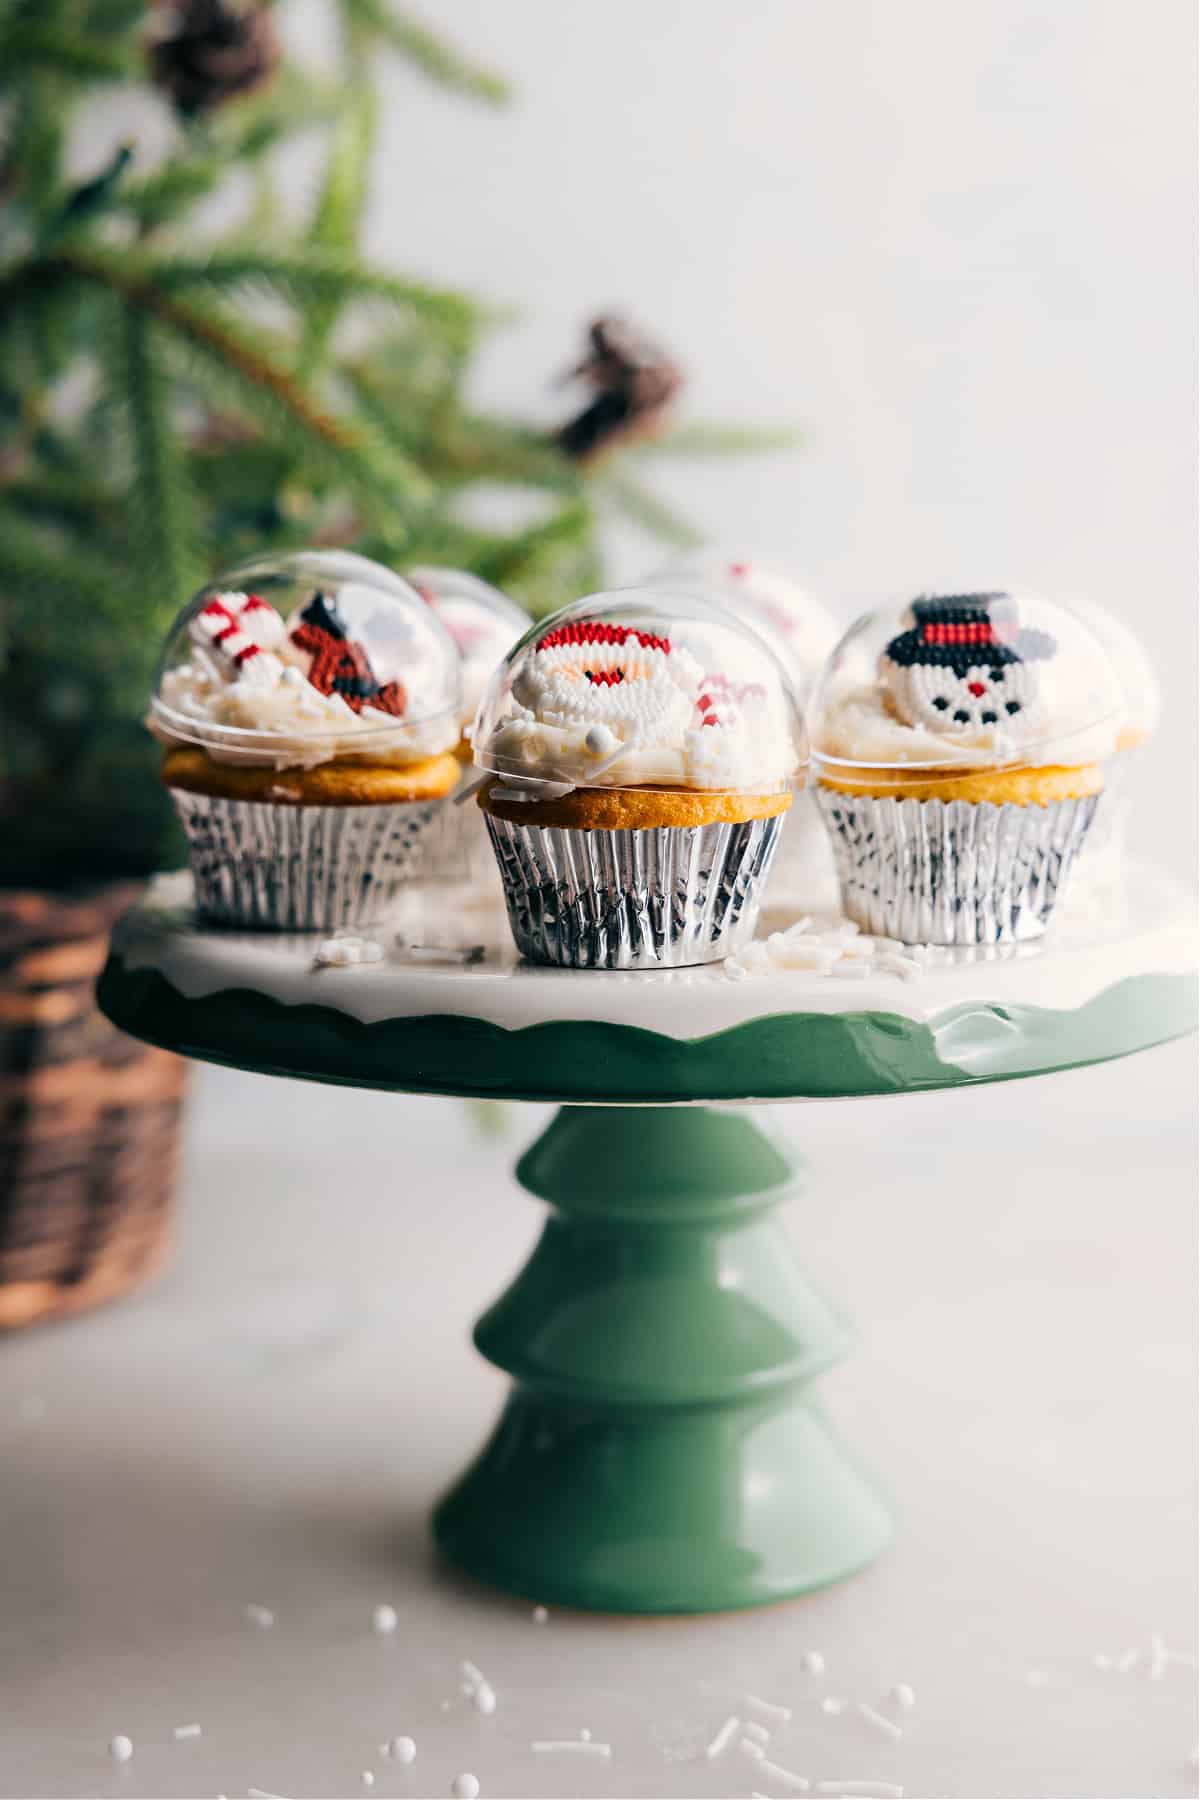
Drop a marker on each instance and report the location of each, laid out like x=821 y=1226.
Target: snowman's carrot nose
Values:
x=976 y=688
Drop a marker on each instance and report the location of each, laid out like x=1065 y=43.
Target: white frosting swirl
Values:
x=246 y=704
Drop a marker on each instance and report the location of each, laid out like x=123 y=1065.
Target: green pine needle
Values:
x=401 y=30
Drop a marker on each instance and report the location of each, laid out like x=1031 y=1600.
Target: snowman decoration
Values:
x=965 y=667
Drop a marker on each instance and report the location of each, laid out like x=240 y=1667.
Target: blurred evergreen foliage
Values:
x=175 y=395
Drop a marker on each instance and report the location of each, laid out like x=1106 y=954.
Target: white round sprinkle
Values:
x=585 y=1737
x=121 y=1748
x=814 y=1662
x=485 y=1700
x=540 y=1615
x=903 y=1695
x=262 y=1616
x=368 y=1779
x=402 y=1749
x=384 y=1620
x=831 y=1705
x=465 y=1787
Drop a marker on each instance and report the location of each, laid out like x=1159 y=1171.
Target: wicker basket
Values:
x=89 y=1118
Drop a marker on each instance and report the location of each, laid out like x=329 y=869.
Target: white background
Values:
x=955 y=244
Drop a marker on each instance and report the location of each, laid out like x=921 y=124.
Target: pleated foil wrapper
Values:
x=657 y=898
x=300 y=868
x=952 y=871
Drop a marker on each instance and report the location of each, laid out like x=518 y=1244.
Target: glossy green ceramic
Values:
x=662 y=1450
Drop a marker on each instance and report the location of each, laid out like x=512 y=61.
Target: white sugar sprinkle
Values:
x=262 y=1616
x=796 y=1782
x=1126 y=1661
x=585 y=1737
x=465 y=1787
x=186 y=1731
x=904 y=1696
x=384 y=1620
x=782 y=1713
x=485 y=1700
x=888 y=1727
x=121 y=1748
x=723 y=1737
x=814 y=1662
x=831 y=1704
x=547 y=1746
x=368 y=1779
x=1100 y=1661
x=401 y=1749
x=539 y=1615
x=758 y=1732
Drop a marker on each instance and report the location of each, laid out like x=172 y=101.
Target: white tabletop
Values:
x=269 y=1423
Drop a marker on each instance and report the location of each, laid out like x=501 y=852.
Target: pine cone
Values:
x=635 y=382
x=210 y=50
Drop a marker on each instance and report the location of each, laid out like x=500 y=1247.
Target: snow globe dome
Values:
x=960 y=683
x=482 y=620
x=1134 y=670
x=306 y=657
x=801 y=629
x=642 y=688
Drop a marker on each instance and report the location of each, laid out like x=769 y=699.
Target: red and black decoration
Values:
x=968 y=631
x=339 y=665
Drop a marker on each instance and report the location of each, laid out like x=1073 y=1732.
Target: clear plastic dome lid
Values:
x=483 y=622
x=959 y=682
x=642 y=688
x=303 y=657
x=801 y=630
x=1134 y=670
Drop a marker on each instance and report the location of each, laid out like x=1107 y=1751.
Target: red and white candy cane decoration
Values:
x=239 y=632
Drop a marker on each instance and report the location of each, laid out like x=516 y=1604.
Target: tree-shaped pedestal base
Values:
x=661 y=1450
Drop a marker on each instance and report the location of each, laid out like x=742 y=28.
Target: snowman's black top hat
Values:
x=968 y=631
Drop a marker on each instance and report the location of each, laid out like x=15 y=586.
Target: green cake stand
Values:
x=663 y=1449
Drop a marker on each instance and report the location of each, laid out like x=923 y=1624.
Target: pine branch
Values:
x=53 y=576
x=165 y=195
x=228 y=357
x=701 y=439
x=645 y=510
x=162 y=511
x=336 y=222
x=309 y=278
x=402 y=31
x=505 y=559
x=29 y=47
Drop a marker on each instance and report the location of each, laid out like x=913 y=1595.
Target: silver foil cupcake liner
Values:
x=952 y=871
x=299 y=868
x=655 y=898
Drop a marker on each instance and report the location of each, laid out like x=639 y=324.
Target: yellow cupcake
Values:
x=959 y=751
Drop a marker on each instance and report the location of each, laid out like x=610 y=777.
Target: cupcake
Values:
x=959 y=753
x=802 y=632
x=484 y=624
x=639 y=752
x=309 y=710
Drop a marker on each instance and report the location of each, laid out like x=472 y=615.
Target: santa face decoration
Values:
x=643 y=688
x=963 y=667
